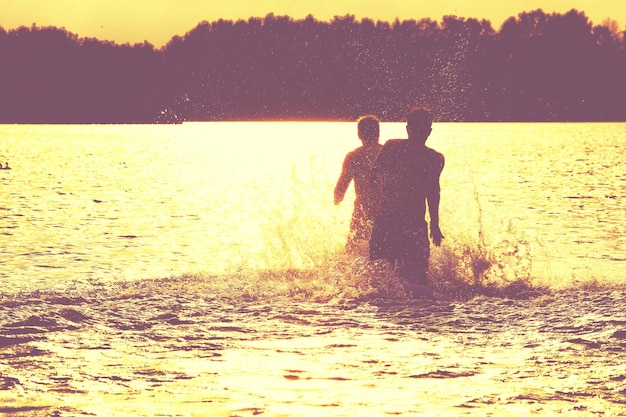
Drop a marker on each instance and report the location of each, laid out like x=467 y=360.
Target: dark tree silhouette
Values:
x=48 y=75
x=536 y=67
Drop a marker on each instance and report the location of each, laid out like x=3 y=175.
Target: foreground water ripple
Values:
x=560 y=352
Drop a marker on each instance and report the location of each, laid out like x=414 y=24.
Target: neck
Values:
x=417 y=141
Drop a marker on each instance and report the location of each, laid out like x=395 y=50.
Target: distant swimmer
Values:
x=407 y=173
x=6 y=166
x=357 y=166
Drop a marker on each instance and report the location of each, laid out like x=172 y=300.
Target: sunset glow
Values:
x=144 y=20
x=286 y=207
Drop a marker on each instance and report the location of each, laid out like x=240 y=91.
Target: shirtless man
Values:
x=357 y=166
x=407 y=174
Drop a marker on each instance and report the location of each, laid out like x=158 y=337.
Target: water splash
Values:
x=301 y=256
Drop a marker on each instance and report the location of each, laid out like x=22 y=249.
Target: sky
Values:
x=157 y=21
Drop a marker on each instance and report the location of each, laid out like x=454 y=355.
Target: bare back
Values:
x=408 y=174
x=358 y=167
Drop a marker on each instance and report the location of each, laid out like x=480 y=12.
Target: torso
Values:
x=362 y=162
x=409 y=173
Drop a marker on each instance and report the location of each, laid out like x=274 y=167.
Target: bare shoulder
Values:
x=393 y=143
x=354 y=153
x=435 y=154
x=436 y=157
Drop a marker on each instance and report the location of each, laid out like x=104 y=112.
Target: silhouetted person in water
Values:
x=407 y=174
x=357 y=166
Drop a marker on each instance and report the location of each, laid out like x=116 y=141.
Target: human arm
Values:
x=344 y=180
x=433 y=198
x=433 y=209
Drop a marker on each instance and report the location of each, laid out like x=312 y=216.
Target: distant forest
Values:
x=537 y=67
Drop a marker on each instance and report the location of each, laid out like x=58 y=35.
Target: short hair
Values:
x=420 y=118
x=368 y=127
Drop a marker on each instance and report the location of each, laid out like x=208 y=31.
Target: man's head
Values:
x=419 y=123
x=369 y=128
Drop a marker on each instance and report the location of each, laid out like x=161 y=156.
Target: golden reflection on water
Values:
x=171 y=348
x=119 y=202
x=279 y=321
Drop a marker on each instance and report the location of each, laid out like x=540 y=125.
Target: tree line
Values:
x=536 y=67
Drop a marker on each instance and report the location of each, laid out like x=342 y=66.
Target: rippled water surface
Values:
x=198 y=270
x=118 y=202
x=175 y=348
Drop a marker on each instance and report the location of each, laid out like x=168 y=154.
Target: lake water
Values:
x=198 y=270
x=86 y=202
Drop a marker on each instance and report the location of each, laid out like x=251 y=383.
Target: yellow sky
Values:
x=158 y=20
